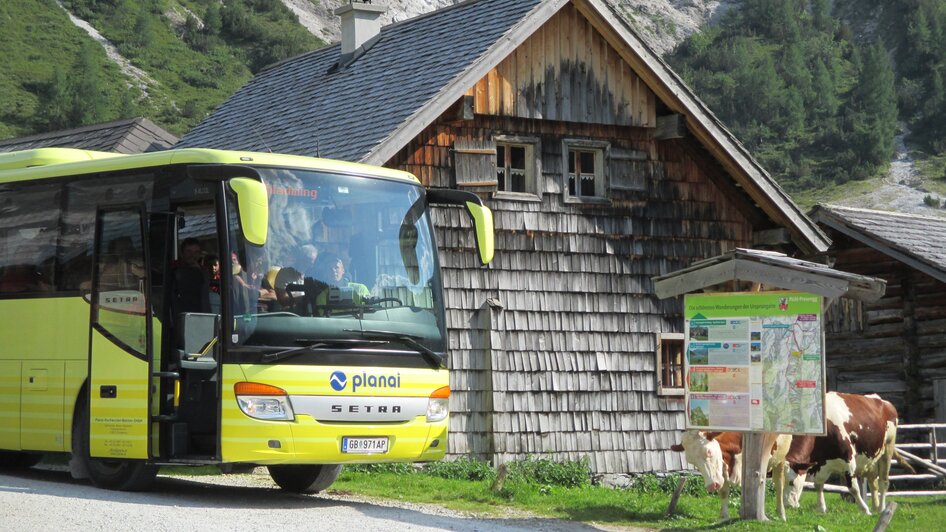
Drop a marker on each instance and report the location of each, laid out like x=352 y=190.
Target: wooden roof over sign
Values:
x=912 y=239
x=771 y=269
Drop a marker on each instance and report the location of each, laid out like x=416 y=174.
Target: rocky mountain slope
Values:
x=663 y=23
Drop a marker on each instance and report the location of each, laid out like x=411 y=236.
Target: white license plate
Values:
x=364 y=445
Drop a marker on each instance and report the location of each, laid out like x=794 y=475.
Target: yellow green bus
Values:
x=196 y=307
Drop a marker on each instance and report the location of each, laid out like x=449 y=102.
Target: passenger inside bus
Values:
x=191 y=281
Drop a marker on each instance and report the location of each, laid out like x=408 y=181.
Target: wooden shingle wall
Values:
x=568 y=365
x=894 y=347
x=566 y=71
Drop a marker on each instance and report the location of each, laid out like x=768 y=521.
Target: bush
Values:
x=568 y=474
x=397 y=468
x=651 y=483
x=461 y=469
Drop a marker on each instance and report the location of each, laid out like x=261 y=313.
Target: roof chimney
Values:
x=360 y=23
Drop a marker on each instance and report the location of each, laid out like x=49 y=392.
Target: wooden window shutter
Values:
x=630 y=169
x=475 y=163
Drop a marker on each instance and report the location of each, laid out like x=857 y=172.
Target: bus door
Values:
x=120 y=347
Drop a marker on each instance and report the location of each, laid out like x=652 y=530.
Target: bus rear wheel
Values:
x=304 y=478
x=14 y=460
x=122 y=475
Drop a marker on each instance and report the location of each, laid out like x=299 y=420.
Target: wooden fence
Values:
x=925 y=454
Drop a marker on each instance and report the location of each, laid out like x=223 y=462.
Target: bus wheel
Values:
x=304 y=478
x=123 y=475
x=15 y=460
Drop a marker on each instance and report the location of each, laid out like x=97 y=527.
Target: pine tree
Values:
x=55 y=102
x=876 y=103
x=89 y=103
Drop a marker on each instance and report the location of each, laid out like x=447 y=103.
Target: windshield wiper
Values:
x=435 y=360
x=321 y=344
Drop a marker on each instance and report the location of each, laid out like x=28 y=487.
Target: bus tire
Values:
x=16 y=460
x=304 y=478
x=122 y=475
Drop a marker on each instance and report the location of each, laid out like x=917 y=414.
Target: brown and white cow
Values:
x=718 y=457
x=862 y=431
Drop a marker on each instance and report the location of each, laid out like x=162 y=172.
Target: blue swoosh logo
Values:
x=338 y=381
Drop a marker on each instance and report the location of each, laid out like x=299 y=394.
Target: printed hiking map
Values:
x=754 y=362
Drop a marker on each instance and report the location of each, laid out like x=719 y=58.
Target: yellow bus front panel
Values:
x=333 y=406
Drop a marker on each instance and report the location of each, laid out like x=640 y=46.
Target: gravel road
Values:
x=49 y=499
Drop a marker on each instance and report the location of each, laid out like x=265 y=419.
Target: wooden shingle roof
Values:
x=370 y=109
x=130 y=135
x=912 y=239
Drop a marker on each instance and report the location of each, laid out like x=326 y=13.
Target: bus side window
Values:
x=29 y=221
x=78 y=222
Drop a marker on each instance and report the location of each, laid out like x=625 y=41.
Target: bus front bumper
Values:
x=307 y=441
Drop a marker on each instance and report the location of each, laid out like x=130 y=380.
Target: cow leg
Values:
x=778 y=478
x=724 y=501
x=883 y=467
x=819 y=487
x=873 y=481
x=855 y=490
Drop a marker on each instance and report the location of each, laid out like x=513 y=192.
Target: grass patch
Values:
x=806 y=199
x=642 y=505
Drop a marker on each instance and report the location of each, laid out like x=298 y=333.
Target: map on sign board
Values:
x=755 y=362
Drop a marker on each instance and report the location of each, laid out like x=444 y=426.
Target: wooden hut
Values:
x=603 y=170
x=128 y=135
x=895 y=347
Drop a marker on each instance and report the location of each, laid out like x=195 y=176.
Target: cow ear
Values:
x=676 y=447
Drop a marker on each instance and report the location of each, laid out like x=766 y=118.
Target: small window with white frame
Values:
x=516 y=172
x=670 y=364
x=585 y=177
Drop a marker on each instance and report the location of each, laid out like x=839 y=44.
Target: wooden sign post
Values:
x=756 y=447
x=754 y=360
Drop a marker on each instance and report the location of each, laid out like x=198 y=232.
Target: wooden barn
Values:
x=895 y=347
x=603 y=170
x=128 y=135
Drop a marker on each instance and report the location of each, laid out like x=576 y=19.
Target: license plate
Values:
x=364 y=445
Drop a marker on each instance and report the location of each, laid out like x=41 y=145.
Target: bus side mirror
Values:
x=480 y=215
x=254 y=208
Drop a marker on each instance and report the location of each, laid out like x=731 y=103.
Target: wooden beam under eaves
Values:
x=671 y=127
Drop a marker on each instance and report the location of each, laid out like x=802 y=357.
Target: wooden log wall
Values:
x=566 y=71
x=568 y=368
x=895 y=347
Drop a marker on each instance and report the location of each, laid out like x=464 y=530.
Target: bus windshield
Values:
x=349 y=264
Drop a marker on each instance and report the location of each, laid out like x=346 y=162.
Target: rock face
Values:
x=662 y=23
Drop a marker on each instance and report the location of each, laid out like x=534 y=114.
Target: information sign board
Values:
x=755 y=362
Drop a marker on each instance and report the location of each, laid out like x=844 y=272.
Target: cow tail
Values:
x=903 y=461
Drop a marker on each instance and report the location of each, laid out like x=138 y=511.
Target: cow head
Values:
x=703 y=453
x=795 y=476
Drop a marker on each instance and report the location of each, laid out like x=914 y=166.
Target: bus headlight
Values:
x=438 y=405
x=262 y=401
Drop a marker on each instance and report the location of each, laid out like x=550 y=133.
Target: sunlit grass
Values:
x=613 y=507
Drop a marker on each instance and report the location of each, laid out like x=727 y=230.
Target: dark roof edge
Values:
x=824 y=214
x=330 y=45
x=72 y=131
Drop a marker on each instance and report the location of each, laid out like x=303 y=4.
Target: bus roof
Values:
x=58 y=162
